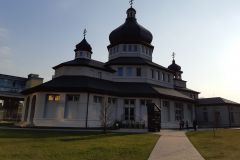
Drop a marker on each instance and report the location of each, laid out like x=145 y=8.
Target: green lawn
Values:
x=225 y=146
x=52 y=145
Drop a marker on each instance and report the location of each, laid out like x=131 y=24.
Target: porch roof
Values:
x=95 y=85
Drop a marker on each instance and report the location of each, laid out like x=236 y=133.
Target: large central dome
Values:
x=130 y=32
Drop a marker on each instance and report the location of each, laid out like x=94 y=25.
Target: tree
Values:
x=105 y=113
x=215 y=122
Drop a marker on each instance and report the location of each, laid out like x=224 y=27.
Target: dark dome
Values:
x=130 y=31
x=174 y=67
x=83 y=46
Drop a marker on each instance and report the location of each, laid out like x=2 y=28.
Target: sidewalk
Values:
x=174 y=145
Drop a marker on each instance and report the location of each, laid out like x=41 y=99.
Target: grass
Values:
x=53 y=145
x=225 y=146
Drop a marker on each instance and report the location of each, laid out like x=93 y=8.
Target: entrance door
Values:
x=154 y=117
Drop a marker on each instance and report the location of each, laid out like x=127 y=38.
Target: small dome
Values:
x=83 y=46
x=130 y=31
x=174 y=67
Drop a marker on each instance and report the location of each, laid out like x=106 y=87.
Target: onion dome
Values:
x=174 y=67
x=83 y=46
x=130 y=32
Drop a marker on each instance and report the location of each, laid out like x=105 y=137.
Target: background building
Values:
x=218 y=112
x=11 y=99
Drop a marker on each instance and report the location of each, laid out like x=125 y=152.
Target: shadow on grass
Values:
x=72 y=136
x=7 y=124
x=96 y=136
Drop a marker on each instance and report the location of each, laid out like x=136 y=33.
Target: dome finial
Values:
x=131 y=12
x=173 y=55
x=84 y=33
x=131 y=3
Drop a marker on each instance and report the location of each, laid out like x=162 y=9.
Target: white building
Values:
x=80 y=88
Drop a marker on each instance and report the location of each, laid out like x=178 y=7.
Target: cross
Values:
x=173 y=55
x=84 y=32
x=131 y=3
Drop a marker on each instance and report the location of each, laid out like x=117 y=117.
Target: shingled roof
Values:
x=135 y=61
x=216 y=101
x=186 y=90
x=95 y=85
x=86 y=62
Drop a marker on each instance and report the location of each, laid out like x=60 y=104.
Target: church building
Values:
x=82 y=88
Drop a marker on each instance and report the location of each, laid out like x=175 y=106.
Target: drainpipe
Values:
x=87 y=110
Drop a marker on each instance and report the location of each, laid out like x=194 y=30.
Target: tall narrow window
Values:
x=97 y=99
x=124 y=47
x=135 y=48
x=159 y=76
x=110 y=51
x=130 y=48
x=144 y=102
x=1 y=103
x=129 y=109
x=163 y=76
x=190 y=111
x=166 y=106
x=26 y=109
x=120 y=71
x=129 y=71
x=143 y=49
x=112 y=100
x=179 y=111
x=73 y=98
x=156 y=74
x=169 y=79
x=138 y=72
x=152 y=71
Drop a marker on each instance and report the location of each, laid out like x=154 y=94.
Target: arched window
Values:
x=26 y=109
x=33 y=104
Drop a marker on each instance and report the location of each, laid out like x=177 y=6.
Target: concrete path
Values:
x=174 y=145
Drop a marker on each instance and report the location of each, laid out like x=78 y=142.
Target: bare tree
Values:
x=215 y=123
x=105 y=113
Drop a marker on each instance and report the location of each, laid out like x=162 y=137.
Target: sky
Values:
x=205 y=35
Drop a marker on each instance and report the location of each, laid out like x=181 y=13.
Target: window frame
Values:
x=138 y=71
x=55 y=98
x=179 y=111
x=129 y=71
x=97 y=99
x=75 y=97
x=120 y=71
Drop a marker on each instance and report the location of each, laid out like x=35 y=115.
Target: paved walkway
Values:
x=174 y=145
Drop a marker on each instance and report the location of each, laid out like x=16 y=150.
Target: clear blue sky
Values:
x=36 y=35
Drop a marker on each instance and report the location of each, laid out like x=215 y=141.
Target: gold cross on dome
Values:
x=131 y=3
x=84 y=32
x=173 y=55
